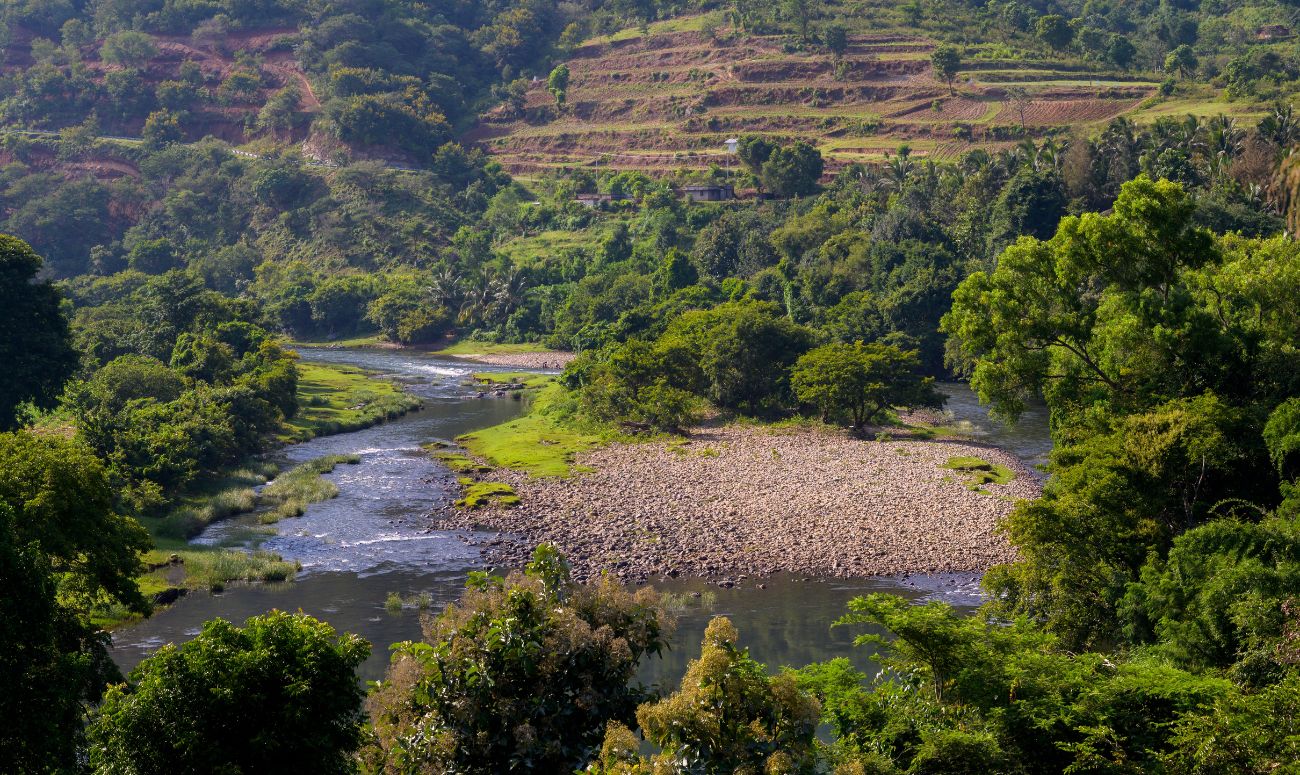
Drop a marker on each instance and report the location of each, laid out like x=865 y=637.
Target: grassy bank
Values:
x=473 y=347
x=367 y=341
x=540 y=443
x=339 y=399
x=291 y=492
x=332 y=399
x=214 y=499
x=175 y=569
x=530 y=380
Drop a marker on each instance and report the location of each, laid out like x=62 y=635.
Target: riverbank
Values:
x=525 y=355
x=744 y=501
x=332 y=399
x=541 y=359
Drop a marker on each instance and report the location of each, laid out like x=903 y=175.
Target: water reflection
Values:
x=1028 y=439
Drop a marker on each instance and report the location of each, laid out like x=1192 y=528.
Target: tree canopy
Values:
x=861 y=381
x=278 y=694
x=523 y=672
x=36 y=346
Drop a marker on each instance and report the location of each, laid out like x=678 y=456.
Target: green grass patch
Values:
x=211 y=500
x=476 y=495
x=474 y=347
x=339 y=399
x=976 y=472
x=290 y=493
x=196 y=568
x=459 y=463
x=216 y=569
x=536 y=443
x=421 y=601
x=681 y=602
x=370 y=340
x=675 y=24
x=526 y=378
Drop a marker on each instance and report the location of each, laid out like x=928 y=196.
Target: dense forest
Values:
x=189 y=187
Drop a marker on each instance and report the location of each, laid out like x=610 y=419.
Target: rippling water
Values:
x=374 y=540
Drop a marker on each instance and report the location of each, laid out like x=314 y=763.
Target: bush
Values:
x=278 y=695
x=524 y=672
x=766 y=724
x=667 y=408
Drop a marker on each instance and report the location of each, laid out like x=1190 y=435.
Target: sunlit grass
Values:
x=338 y=399
x=289 y=494
x=535 y=443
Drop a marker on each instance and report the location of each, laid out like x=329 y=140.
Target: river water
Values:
x=373 y=540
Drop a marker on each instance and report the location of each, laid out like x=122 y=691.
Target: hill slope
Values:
x=667 y=100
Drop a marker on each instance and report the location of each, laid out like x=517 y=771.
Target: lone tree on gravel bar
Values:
x=861 y=381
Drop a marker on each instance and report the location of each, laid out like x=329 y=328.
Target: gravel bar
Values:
x=741 y=502
x=552 y=359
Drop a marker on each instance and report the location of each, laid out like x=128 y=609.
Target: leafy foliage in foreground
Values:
x=965 y=695
x=53 y=665
x=523 y=673
x=36 y=348
x=1162 y=351
x=728 y=716
x=278 y=694
x=63 y=551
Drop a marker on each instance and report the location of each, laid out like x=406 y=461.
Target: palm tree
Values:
x=1048 y=156
x=1190 y=134
x=975 y=160
x=898 y=168
x=507 y=290
x=1121 y=136
x=1119 y=149
x=446 y=287
x=1280 y=126
x=476 y=301
x=1019 y=155
x=1224 y=140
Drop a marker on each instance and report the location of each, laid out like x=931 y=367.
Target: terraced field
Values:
x=668 y=100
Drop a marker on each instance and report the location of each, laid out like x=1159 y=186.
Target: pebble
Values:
x=740 y=503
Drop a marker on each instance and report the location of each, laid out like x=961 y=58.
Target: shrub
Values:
x=524 y=672
x=767 y=723
x=288 y=702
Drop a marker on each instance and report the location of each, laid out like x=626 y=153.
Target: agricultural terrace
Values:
x=667 y=100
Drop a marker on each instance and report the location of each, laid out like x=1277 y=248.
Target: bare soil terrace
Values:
x=667 y=101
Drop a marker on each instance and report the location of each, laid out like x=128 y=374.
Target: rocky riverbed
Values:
x=735 y=503
x=550 y=359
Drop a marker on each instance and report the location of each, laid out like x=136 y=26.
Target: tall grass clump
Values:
x=216 y=569
x=217 y=499
x=289 y=494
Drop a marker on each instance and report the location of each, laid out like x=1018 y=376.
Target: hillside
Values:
x=668 y=100
x=191 y=76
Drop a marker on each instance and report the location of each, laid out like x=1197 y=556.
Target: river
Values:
x=373 y=540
